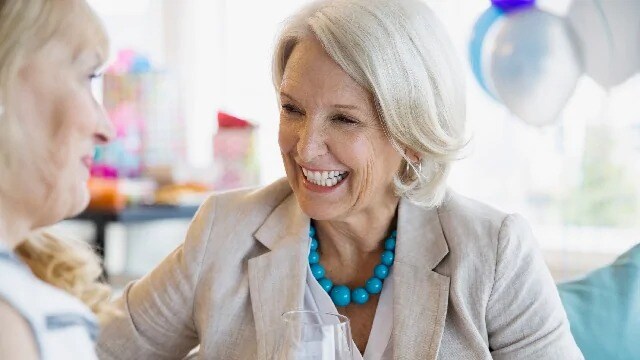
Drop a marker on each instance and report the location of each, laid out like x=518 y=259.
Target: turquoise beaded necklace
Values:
x=341 y=294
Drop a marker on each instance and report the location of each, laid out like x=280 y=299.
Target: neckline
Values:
x=380 y=335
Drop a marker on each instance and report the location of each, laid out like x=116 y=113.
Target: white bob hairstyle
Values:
x=399 y=52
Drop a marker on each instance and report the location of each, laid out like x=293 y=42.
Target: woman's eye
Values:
x=345 y=120
x=94 y=76
x=288 y=108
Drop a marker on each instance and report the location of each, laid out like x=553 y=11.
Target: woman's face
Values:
x=63 y=122
x=338 y=159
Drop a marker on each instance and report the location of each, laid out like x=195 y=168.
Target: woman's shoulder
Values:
x=471 y=224
x=229 y=219
x=469 y=215
x=22 y=289
x=258 y=200
x=243 y=207
x=41 y=305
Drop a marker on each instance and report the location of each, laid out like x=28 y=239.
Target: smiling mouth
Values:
x=328 y=178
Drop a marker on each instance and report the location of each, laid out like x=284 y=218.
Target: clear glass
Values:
x=310 y=335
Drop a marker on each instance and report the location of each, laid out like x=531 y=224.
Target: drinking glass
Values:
x=311 y=335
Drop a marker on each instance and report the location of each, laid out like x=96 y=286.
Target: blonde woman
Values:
x=50 y=51
x=372 y=117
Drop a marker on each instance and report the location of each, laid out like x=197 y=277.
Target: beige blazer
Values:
x=469 y=283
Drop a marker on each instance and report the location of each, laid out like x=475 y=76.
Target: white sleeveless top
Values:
x=62 y=326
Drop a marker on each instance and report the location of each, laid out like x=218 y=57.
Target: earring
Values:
x=413 y=166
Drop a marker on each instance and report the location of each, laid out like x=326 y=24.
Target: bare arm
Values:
x=16 y=338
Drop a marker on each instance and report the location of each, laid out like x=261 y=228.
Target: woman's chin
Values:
x=318 y=211
x=80 y=202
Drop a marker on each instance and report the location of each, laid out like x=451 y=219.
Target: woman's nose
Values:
x=105 y=131
x=311 y=142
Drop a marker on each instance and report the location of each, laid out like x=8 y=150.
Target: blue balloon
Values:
x=535 y=65
x=510 y=5
x=480 y=30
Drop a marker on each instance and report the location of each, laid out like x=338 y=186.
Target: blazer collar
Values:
x=420 y=236
x=277 y=278
x=420 y=294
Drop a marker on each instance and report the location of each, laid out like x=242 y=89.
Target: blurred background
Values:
x=189 y=90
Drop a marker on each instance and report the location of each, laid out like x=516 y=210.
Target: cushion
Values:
x=604 y=309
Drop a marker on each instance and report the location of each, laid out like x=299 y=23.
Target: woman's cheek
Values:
x=287 y=138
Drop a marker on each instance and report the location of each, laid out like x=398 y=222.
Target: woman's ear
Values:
x=412 y=155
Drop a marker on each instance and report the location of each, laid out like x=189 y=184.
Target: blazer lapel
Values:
x=420 y=294
x=277 y=278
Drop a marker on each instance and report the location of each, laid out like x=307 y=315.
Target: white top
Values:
x=63 y=327
x=380 y=345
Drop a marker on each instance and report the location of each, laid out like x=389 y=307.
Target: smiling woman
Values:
x=371 y=120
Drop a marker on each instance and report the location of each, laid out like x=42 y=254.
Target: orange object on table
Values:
x=105 y=195
x=176 y=194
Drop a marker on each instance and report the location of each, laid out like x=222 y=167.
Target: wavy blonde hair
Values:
x=398 y=51
x=69 y=265
x=25 y=28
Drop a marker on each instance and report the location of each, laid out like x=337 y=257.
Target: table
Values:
x=132 y=215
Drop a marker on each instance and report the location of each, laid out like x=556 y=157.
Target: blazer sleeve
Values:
x=156 y=320
x=525 y=318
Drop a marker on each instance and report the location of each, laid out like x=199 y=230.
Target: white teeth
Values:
x=324 y=178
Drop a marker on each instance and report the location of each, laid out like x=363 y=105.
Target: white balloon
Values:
x=534 y=64
x=609 y=36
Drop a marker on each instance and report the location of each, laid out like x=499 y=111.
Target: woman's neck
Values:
x=359 y=235
x=13 y=228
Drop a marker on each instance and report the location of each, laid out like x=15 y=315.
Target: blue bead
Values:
x=326 y=284
x=390 y=244
x=394 y=233
x=373 y=285
x=359 y=296
x=314 y=244
x=318 y=271
x=314 y=257
x=381 y=271
x=341 y=295
x=387 y=258
x=312 y=231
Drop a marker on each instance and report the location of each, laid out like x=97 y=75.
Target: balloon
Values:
x=534 y=65
x=480 y=30
x=509 y=5
x=140 y=65
x=608 y=34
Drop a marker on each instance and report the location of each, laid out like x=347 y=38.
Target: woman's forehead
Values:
x=311 y=68
x=84 y=35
